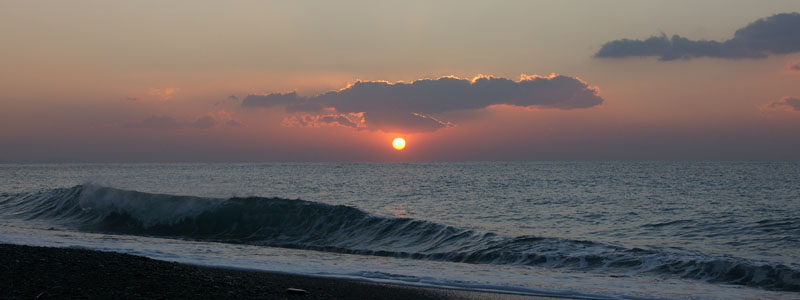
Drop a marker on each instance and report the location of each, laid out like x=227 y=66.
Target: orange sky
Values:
x=92 y=81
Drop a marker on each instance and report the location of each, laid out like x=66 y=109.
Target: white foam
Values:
x=506 y=279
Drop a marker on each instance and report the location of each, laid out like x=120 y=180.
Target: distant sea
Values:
x=595 y=230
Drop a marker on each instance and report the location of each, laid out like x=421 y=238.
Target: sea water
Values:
x=596 y=230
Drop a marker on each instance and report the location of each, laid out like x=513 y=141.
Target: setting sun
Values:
x=399 y=143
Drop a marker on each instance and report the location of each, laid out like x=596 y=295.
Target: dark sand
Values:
x=61 y=273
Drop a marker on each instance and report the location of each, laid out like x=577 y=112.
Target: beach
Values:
x=28 y=272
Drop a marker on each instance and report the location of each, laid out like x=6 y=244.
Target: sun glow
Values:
x=399 y=143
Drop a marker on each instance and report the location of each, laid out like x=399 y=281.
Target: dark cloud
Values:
x=778 y=34
x=233 y=97
x=785 y=103
x=410 y=106
x=203 y=122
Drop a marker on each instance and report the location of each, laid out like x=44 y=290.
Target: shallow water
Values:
x=618 y=229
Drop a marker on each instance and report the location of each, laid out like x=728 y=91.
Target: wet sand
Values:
x=28 y=272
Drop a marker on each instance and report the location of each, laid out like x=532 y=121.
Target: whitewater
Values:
x=593 y=230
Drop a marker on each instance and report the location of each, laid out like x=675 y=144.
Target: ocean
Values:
x=593 y=230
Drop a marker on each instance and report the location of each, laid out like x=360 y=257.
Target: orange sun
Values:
x=398 y=143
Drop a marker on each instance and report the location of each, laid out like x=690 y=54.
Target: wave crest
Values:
x=303 y=224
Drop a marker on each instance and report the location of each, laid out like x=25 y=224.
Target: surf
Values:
x=300 y=224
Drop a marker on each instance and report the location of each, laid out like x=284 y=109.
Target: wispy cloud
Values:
x=777 y=34
x=785 y=103
x=793 y=67
x=156 y=122
x=334 y=119
x=163 y=94
x=411 y=106
x=202 y=122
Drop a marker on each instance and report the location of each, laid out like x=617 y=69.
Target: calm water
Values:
x=598 y=230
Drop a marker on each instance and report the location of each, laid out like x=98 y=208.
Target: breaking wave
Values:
x=302 y=224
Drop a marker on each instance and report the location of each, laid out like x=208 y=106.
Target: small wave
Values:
x=302 y=224
x=667 y=223
x=788 y=225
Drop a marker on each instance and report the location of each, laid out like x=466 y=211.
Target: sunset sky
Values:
x=252 y=81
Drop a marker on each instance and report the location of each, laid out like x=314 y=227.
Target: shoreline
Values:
x=32 y=272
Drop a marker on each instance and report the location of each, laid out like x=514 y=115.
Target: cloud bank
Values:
x=379 y=105
x=778 y=34
x=785 y=103
x=203 y=122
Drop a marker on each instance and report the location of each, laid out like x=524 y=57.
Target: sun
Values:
x=398 y=143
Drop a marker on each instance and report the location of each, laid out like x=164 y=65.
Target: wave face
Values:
x=302 y=224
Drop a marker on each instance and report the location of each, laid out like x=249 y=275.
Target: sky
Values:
x=272 y=81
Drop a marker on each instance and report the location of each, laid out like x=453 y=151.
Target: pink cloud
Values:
x=163 y=94
x=785 y=103
x=793 y=67
x=352 y=120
